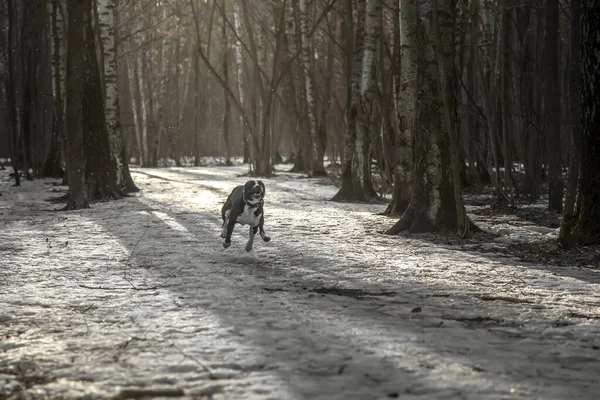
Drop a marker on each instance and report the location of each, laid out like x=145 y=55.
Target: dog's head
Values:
x=254 y=192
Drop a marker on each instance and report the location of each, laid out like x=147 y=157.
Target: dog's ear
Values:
x=262 y=185
x=249 y=185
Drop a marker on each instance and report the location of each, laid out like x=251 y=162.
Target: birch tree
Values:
x=317 y=168
x=405 y=104
x=433 y=204
x=356 y=176
x=107 y=27
x=99 y=167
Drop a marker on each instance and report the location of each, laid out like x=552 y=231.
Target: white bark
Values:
x=186 y=84
x=106 y=16
x=143 y=106
x=239 y=65
x=133 y=92
x=162 y=98
x=317 y=164
x=372 y=36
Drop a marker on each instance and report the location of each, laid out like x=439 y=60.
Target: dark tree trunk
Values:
x=99 y=168
x=587 y=229
x=227 y=108
x=568 y=220
x=552 y=111
x=53 y=164
x=10 y=96
x=74 y=153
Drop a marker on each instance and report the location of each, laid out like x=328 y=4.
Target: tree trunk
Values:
x=227 y=108
x=433 y=203
x=406 y=102
x=99 y=167
x=239 y=67
x=74 y=147
x=568 y=220
x=356 y=170
x=317 y=167
x=143 y=103
x=587 y=229
x=442 y=24
x=162 y=99
x=134 y=94
x=552 y=111
x=53 y=164
x=107 y=23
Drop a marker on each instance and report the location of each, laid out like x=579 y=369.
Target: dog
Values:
x=244 y=206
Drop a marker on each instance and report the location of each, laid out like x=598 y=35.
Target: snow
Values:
x=139 y=293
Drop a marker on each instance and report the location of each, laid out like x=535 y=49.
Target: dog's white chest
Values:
x=248 y=217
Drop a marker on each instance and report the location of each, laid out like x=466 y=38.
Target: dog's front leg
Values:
x=252 y=232
x=230 y=225
x=263 y=235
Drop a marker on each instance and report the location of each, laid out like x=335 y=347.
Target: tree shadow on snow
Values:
x=323 y=335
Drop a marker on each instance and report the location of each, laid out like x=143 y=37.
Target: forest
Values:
x=391 y=96
x=470 y=128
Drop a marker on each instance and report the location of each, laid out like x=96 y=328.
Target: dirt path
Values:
x=139 y=293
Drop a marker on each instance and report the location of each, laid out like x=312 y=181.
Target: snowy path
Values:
x=140 y=293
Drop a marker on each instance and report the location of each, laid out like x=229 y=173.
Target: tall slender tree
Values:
x=552 y=108
x=405 y=103
x=74 y=147
x=107 y=27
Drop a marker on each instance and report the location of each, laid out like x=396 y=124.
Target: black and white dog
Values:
x=244 y=206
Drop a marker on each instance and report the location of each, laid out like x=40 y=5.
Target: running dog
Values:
x=244 y=206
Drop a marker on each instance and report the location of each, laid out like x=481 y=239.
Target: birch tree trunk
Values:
x=433 y=205
x=354 y=162
x=143 y=103
x=162 y=98
x=317 y=167
x=99 y=168
x=107 y=26
x=227 y=107
x=239 y=67
x=406 y=103
x=134 y=94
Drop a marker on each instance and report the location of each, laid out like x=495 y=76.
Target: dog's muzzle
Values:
x=257 y=192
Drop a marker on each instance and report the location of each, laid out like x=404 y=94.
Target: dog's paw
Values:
x=226 y=245
x=266 y=238
x=248 y=247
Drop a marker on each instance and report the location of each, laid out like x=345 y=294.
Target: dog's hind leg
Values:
x=252 y=232
x=229 y=230
x=225 y=223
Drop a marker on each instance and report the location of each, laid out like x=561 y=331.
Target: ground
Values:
x=140 y=294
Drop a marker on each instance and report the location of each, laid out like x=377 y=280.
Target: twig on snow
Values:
x=194 y=359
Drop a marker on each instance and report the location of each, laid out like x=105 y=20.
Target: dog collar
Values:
x=250 y=205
